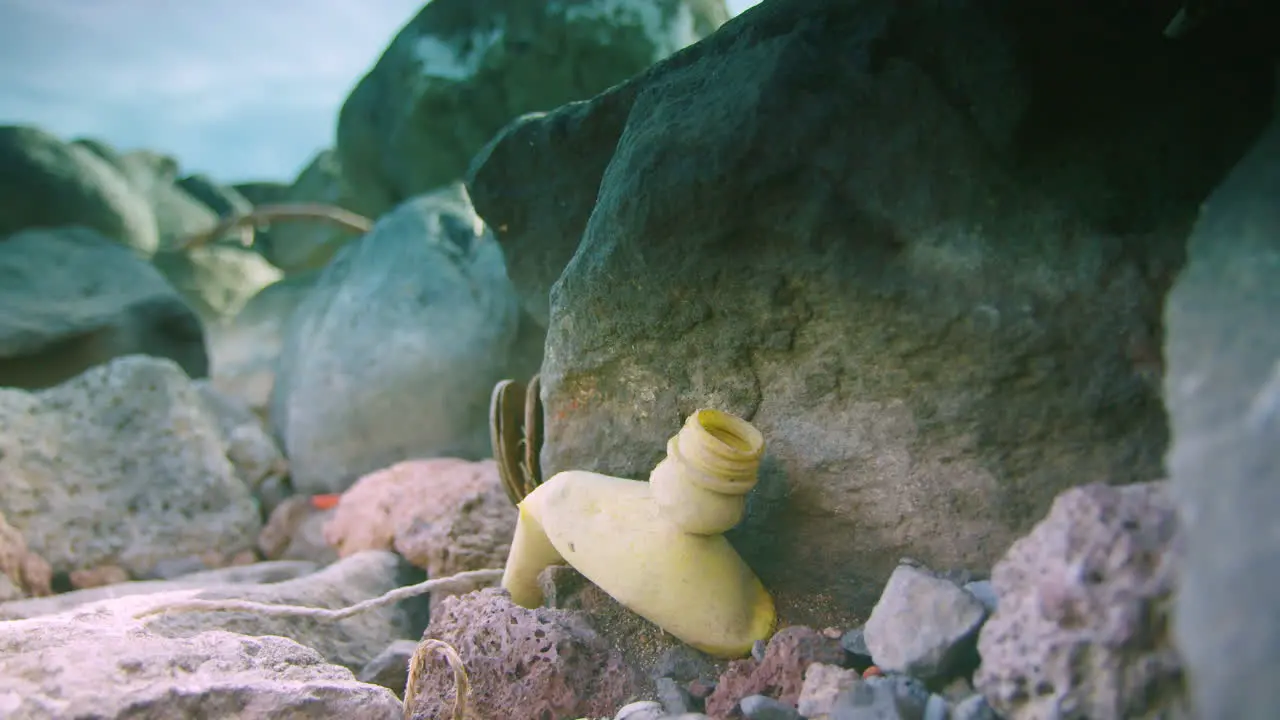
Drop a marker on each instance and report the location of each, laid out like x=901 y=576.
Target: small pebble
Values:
x=701 y=688
x=925 y=626
x=757 y=650
x=936 y=708
x=643 y=710
x=682 y=663
x=882 y=698
x=909 y=688
x=390 y=668
x=854 y=643
x=673 y=697
x=822 y=683
x=763 y=707
x=957 y=690
x=974 y=707
x=986 y=594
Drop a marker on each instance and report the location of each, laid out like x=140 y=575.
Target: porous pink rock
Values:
x=444 y=515
x=295 y=531
x=522 y=663
x=99 y=576
x=28 y=573
x=1083 y=624
x=780 y=674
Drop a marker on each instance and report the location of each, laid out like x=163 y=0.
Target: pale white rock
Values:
x=102 y=663
x=822 y=684
x=642 y=710
x=351 y=642
x=121 y=465
x=256 y=574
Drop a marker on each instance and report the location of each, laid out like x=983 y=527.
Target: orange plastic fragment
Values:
x=325 y=502
x=872 y=671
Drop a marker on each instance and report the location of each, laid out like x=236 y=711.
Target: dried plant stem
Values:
x=418 y=665
x=243 y=222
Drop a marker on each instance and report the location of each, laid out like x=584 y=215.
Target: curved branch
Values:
x=243 y=223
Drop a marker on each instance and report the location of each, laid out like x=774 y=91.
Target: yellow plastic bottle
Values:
x=657 y=547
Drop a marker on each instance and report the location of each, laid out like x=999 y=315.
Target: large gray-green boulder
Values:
x=46 y=183
x=887 y=234
x=71 y=299
x=461 y=69
x=1223 y=394
x=394 y=350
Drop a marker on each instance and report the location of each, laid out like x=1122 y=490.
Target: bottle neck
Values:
x=722 y=451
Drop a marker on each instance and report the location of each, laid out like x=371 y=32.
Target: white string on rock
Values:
x=470 y=577
x=417 y=663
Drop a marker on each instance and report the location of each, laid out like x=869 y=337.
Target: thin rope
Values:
x=275 y=610
x=418 y=665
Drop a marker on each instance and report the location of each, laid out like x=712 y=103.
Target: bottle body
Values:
x=657 y=547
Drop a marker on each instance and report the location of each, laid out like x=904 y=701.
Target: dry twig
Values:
x=243 y=223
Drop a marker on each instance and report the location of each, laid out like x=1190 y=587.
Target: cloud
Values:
x=238 y=89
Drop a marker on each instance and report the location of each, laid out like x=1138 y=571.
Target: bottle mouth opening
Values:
x=737 y=438
x=724 y=450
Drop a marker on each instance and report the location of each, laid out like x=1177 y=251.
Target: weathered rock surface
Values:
x=257 y=573
x=121 y=465
x=390 y=668
x=96 y=577
x=1223 y=394
x=252 y=451
x=779 y=674
x=300 y=245
x=70 y=300
x=22 y=572
x=461 y=69
x=1084 y=623
x=246 y=349
x=521 y=662
x=924 y=626
x=443 y=515
x=893 y=698
x=351 y=642
x=295 y=531
x=262 y=192
x=155 y=176
x=394 y=351
x=45 y=183
x=818 y=219
x=102 y=663
x=217 y=279
x=222 y=200
x=823 y=683
x=648 y=650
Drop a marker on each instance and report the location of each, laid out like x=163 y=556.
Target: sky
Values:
x=236 y=89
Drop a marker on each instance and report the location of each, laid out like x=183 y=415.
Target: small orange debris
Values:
x=325 y=502
x=872 y=671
